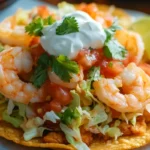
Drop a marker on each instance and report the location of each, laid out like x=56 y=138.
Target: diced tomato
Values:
x=61 y=94
x=88 y=58
x=41 y=108
x=55 y=105
x=43 y=11
x=35 y=41
x=145 y=67
x=36 y=52
x=111 y=68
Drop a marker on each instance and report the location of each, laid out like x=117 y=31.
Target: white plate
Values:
x=27 y=4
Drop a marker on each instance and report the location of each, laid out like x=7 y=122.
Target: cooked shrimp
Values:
x=133 y=43
x=76 y=78
x=134 y=84
x=13 y=34
x=12 y=29
x=12 y=62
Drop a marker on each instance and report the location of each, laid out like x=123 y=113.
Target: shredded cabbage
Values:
x=29 y=112
x=22 y=109
x=73 y=137
x=10 y=107
x=14 y=118
x=114 y=132
x=33 y=132
x=98 y=115
x=76 y=99
x=51 y=116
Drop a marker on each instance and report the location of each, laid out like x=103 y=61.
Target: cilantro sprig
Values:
x=61 y=65
x=41 y=72
x=69 y=115
x=112 y=48
x=69 y=25
x=94 y=73
x=36 y=26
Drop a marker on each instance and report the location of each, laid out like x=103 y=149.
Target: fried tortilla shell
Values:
x=123 y=143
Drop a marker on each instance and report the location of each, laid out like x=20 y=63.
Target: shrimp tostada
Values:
x=73 y=78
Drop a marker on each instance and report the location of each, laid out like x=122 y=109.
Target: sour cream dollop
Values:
x=91 y=34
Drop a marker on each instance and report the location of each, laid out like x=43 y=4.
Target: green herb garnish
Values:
x=112 y=48
x=68 y=115
x=94 y=73
x=61 y=65
x=41 y=72
x=69 y=25
x=36 y=26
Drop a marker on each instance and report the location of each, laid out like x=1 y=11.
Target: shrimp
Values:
x=12 y=29
x=14 y=35
x=133 y=43
x=134 y=85
x=73 y=81
x=12 y=62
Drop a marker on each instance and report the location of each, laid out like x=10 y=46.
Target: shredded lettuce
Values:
x=114 y=132
x=51 y=116
x=133 y=120
x=32 y=123
x=103 y=129
x=29 y=112
x=10 y=107
x=33 y=132
x=14 y=118
x=73 y=137
x=98 y=115
x=22 y=109
x=130 y=117
x=76 y=99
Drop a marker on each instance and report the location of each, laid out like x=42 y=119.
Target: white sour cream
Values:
x=91 y=34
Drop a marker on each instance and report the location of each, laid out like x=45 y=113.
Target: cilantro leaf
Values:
x=113 y=49
x=94 y=73
x=111 y=31
x=41 y=74
x=69 y=25
x=36 y=26
x=63 y=67
x=48 y=21
x=68 y=115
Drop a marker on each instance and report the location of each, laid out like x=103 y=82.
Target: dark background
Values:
x=141 y=5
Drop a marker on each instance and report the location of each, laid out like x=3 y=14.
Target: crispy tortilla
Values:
x=123 y=143
x=8 y=132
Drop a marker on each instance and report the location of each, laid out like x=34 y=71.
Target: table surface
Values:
x=26 y=4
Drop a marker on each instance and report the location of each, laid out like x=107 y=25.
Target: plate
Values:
x=27 y=4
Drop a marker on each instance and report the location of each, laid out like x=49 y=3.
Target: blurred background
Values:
x=140 y=5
